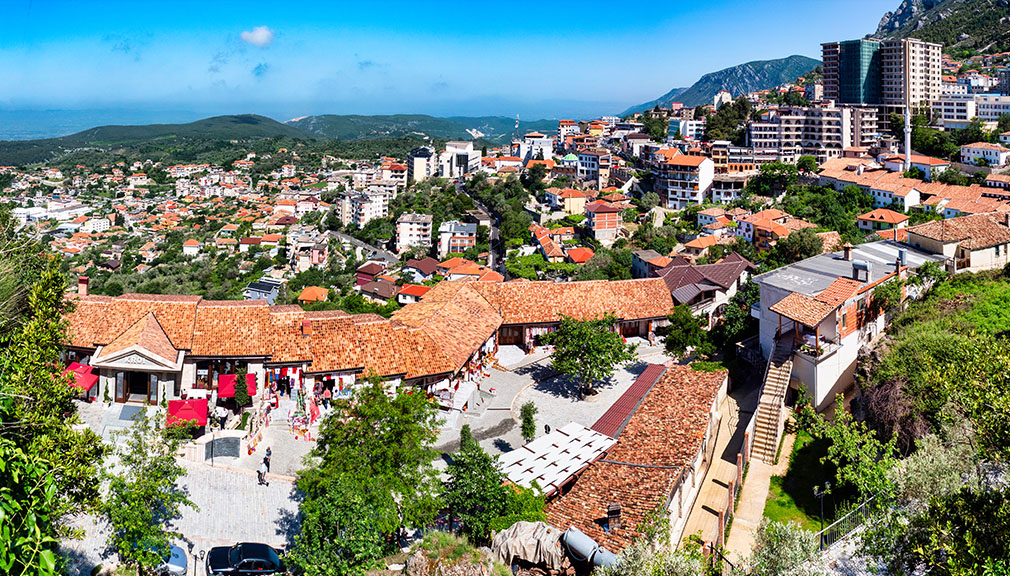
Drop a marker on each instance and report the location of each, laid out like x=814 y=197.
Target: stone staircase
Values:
x=770 y=415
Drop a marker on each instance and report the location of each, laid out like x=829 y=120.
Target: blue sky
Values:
x=287 y=59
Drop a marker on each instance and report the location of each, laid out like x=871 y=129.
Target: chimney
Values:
x=859 y=169
x=847 y=251
x=614 y=516
x=306 y=327
x=82 y=286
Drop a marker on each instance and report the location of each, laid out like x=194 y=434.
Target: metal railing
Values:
x=845 y=525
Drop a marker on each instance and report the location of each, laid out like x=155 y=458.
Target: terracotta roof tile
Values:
x=662 y=437
x=146 y=333
x=545 y=302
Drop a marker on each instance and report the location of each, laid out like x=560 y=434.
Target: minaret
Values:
x=908 y=139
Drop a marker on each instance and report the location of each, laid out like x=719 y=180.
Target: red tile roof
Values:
x=662 y=437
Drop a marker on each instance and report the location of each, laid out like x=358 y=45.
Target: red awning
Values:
x=226 y=385
x=186 y=411
x=83 y=378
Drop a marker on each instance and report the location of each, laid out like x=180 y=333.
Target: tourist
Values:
x=261 y=475
x=267 y=459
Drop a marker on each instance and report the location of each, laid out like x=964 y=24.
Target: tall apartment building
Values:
x=421 y=164
x=683 y=180
x=851 y=71
x=688 y=129
x=888 y=73
x=413 y=230
x=911 y=73
x=819 y=131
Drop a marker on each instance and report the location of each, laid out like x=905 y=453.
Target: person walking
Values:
x=262 y=474
x=267 y=459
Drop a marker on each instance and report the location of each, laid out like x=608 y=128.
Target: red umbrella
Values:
x=226 y=385
x=186 y=411
x=83 y=378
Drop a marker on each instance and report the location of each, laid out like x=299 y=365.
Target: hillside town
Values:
x=633 y=335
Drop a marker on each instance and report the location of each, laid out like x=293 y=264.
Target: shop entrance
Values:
x=136 y=387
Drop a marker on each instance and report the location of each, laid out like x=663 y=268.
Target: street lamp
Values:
x=202 y=554
x=820 y=493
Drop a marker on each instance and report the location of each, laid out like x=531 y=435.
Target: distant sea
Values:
x=36 y=124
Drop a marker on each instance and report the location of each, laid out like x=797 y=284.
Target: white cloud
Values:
x=259 y=36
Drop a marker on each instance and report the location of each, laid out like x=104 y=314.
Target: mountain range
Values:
x=354 y=127
x=960 y=25
x=493 y=129
x=738 y=80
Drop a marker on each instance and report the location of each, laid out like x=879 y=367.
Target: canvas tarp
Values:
x=535 y=542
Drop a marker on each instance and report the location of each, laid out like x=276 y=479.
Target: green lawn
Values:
x=791 y=497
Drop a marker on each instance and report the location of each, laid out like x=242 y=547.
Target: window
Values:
x=845 y=319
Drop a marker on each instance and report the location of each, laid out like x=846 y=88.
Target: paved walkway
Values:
x=231 y=508
x=737 y=411
x=752 y=502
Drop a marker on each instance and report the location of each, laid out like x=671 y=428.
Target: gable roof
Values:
x=971 y=232
x=426 y=265
x=145 y=333
x=662 y=437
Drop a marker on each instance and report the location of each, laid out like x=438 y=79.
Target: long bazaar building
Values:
x=148 y=347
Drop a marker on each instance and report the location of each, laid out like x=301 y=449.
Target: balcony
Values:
x=817 y=351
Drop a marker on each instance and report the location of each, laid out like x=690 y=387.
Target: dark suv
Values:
x=244 y=558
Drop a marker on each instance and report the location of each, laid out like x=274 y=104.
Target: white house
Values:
x=191 y=247
x=985 y=154
x=819 y=311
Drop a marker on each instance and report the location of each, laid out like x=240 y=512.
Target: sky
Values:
x=289 y=59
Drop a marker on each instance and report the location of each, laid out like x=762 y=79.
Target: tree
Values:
x=477 y=494
x=649 y=201
x=785 y=550
x=529 y=425
x=241 y=387
x=48 y=467
x=861 y=458
x=343 y=531
x=465 y=436
x=807 y=164
x=683 y=331
x=384 y=441
x=144 y=498
x=588 y=350
x=474 y=492
x=799 y=245
x=737 y=322
x=641 y=558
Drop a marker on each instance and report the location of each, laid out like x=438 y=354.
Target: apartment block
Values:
x=819 y=131
x=911 y=74
x=852 y=71
x=683 y=180
x=421 y=164
x=454 y=237
x=956 y=111
x=459 y=159
x=413 y=230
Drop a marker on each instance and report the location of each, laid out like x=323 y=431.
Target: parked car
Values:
x=244 y=558
x=175 y=564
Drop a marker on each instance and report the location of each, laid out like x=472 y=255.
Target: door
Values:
x=121 y=392
x=152 y=389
